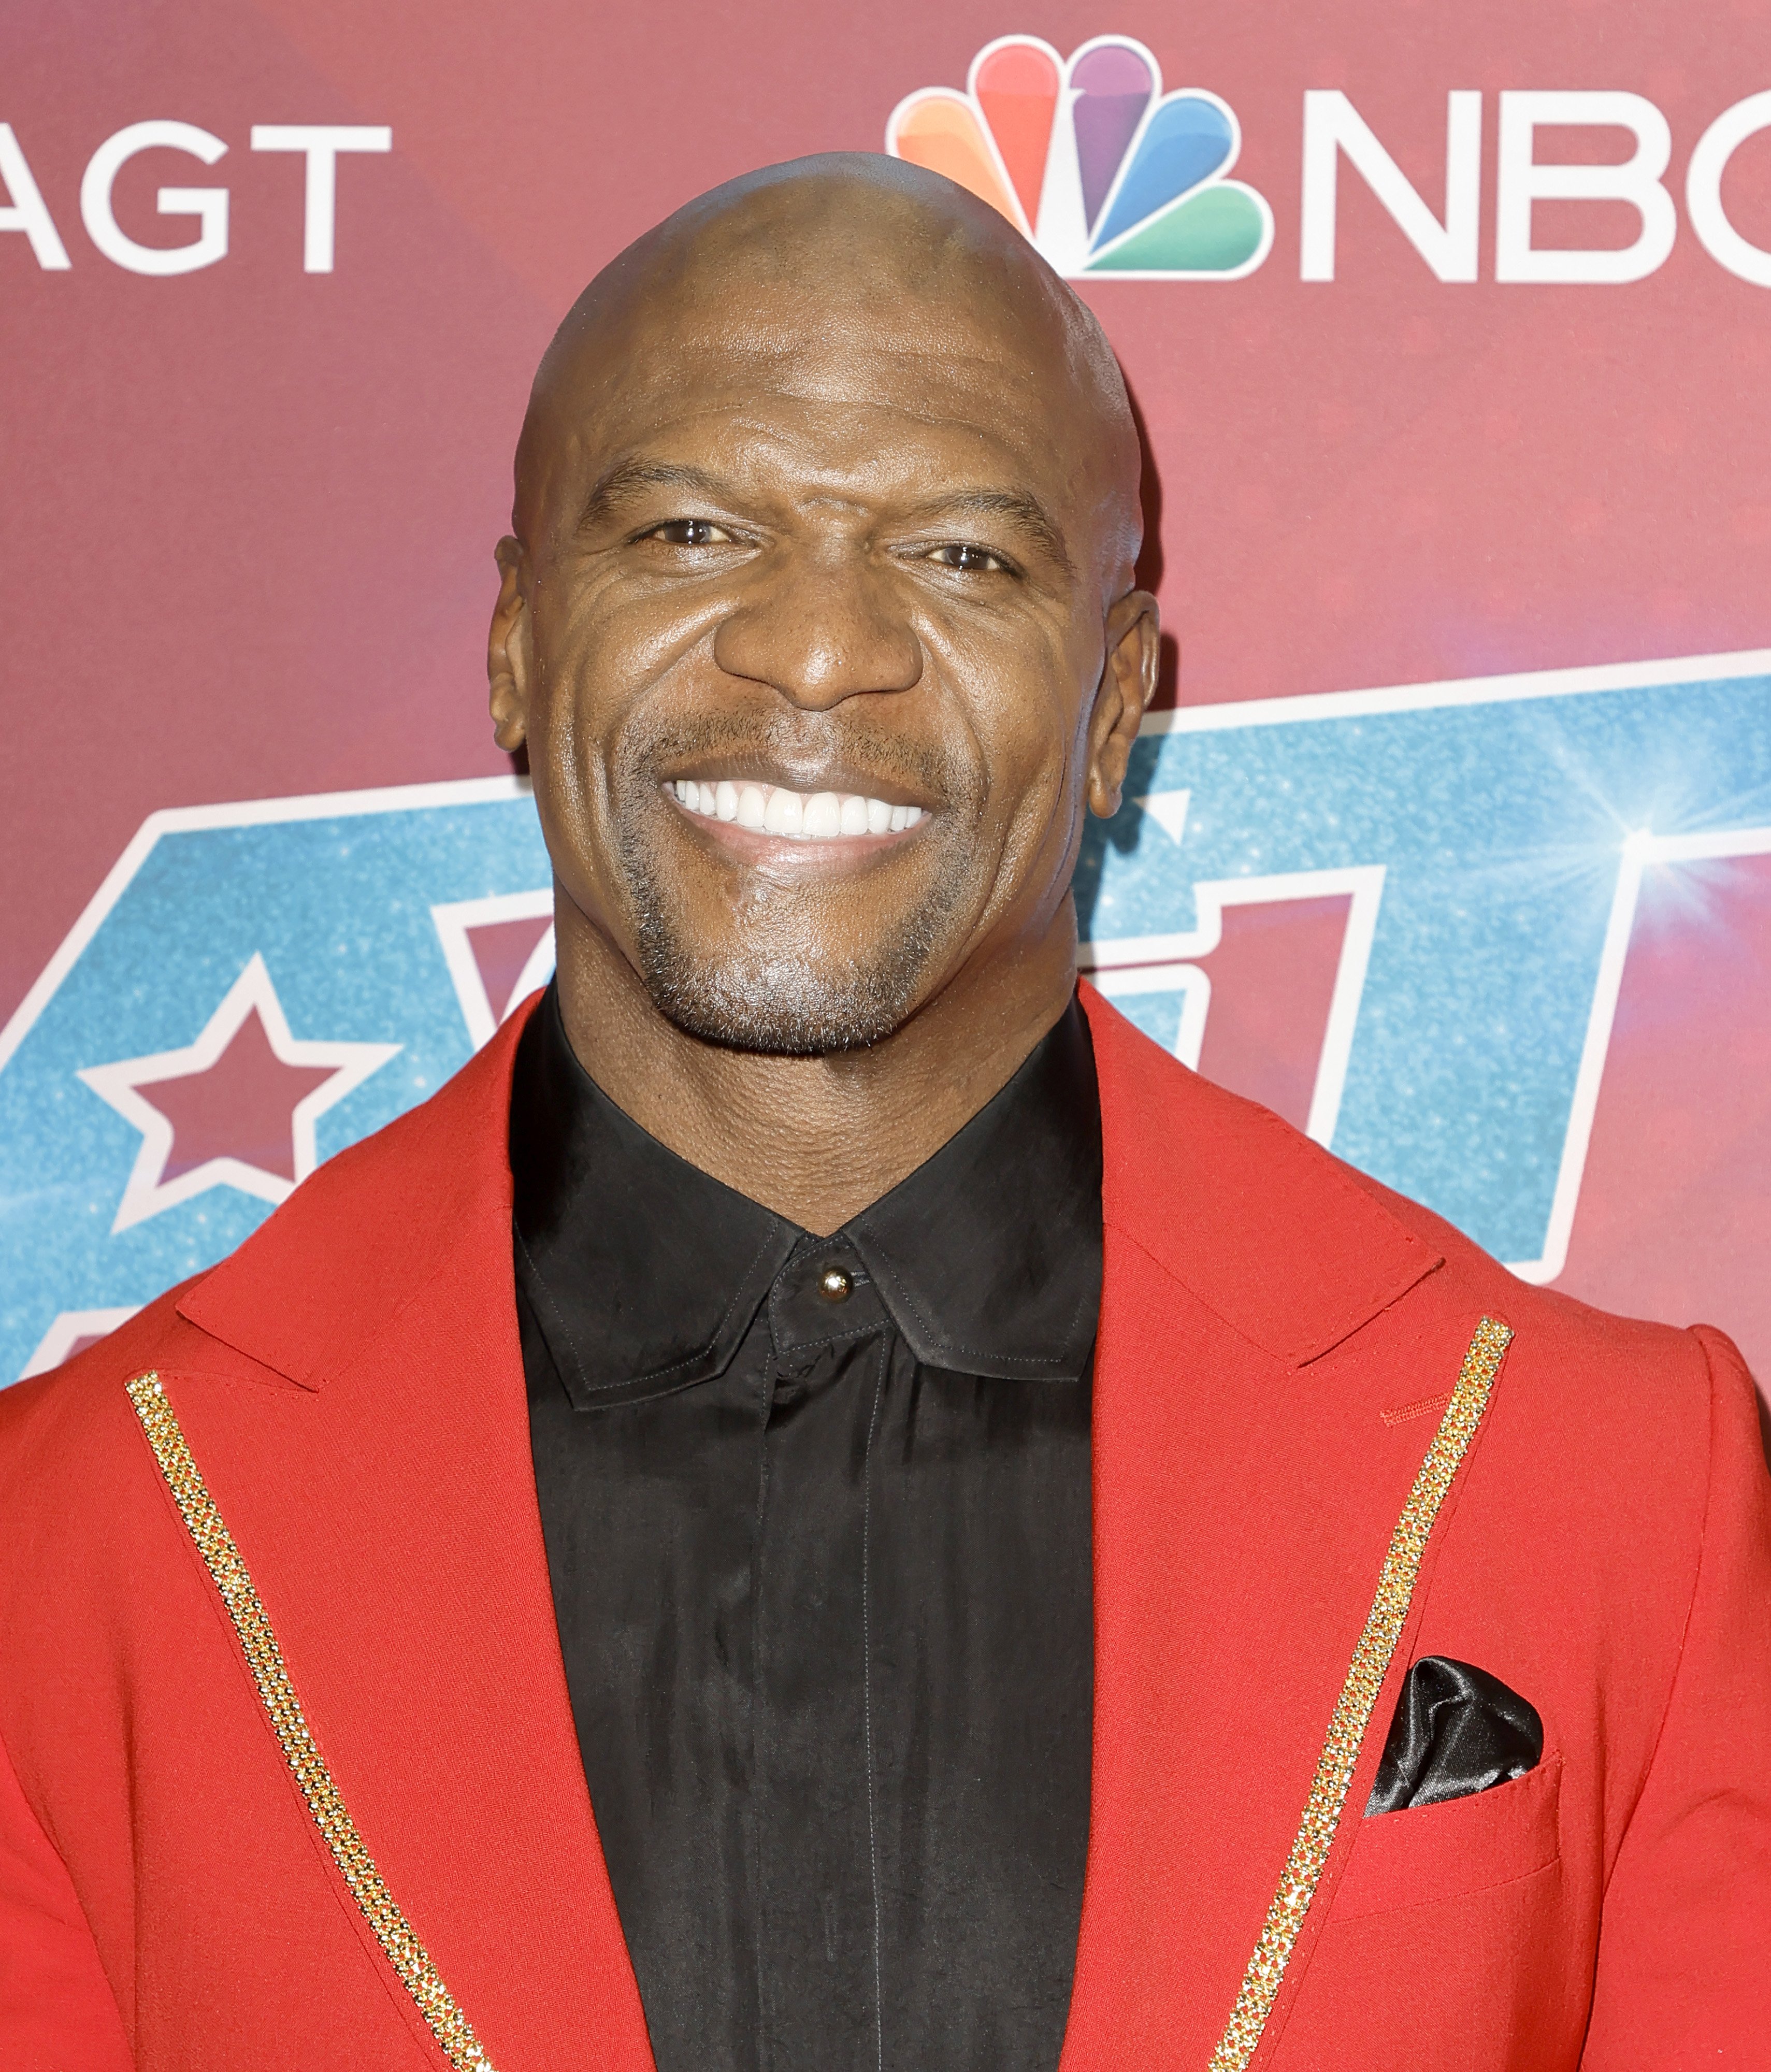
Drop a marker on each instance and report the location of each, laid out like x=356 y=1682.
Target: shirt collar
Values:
x=644 y=1273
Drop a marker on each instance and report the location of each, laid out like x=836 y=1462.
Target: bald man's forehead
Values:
x=892 y=391
x=710 y=309
x=923 y=358
x=826 y=311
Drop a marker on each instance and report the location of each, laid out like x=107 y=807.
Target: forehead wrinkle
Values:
x=814 y=459
x=927 y=384
x=822 y=369
x=747 y=439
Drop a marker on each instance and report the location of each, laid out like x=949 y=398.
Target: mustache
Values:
x=806 y=745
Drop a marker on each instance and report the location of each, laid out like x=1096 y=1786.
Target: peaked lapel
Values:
x=381 y=1491
x=1259 y=1309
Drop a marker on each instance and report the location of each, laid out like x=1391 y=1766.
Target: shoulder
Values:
x=65 y=1411
x=1623 y=1459
x=75 y=1501
x=358 y=1237
x=1245 y=1208
x=1615 y=1365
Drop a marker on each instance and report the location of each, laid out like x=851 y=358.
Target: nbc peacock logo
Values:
x=1106 y=173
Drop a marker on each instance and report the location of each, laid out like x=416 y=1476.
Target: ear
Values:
x=1128 y=678
x=509 y=674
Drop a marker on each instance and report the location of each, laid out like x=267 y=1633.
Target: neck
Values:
x=814 y=1139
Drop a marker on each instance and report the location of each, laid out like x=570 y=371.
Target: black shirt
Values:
x=817 y=1518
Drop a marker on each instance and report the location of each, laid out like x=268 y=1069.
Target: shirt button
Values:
x=834 y=1284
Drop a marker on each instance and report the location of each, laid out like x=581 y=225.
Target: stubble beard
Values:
x=778 y=989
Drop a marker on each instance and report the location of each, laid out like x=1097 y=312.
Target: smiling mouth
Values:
x=810 y=816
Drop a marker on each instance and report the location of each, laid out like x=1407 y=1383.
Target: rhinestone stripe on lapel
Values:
x=204 y=1521
x=1352 y=1709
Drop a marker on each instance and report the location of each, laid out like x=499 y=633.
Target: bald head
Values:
x=813 y=261
x=819 y=624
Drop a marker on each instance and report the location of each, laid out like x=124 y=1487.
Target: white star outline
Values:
x=145 y=1194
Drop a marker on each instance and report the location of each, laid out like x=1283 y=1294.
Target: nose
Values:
x=821 y=631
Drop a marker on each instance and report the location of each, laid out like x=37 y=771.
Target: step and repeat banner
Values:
x=1450 y=329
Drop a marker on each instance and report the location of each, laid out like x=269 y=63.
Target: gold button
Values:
x=834 y=1284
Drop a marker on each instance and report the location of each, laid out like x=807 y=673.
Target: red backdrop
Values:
x=248 y=510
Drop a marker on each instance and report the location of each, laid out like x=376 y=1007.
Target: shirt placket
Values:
x=831 y=1342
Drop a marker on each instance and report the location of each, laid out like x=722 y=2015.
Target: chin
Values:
x=777 y=1010
x=801 y=972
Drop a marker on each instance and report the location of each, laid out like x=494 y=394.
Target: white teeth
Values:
x=785 y=813
x=821 y=816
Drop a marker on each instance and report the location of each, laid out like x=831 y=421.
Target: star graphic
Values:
x=237 y=1108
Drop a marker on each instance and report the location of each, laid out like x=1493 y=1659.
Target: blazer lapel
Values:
x=380 y=1492
x=1247 y=1487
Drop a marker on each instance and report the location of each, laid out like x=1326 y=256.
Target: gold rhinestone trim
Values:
x=203 y=1522
x=1352 y=1716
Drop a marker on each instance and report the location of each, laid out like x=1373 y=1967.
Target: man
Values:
x=825 y=1503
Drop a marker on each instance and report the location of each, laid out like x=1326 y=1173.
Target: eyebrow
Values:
x=1023 y=511
x=628 y=479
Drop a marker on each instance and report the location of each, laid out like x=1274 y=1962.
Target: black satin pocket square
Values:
x=1456 y=1730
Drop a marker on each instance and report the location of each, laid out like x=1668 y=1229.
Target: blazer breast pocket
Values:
x=1426 y=1853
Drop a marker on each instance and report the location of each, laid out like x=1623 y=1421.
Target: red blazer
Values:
x=1279 y=1341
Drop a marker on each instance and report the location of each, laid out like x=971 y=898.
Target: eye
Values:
x=689 y=532
x=968 y=559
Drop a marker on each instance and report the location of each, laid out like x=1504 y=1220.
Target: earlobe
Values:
x=1103 y=794
x=508 y=730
